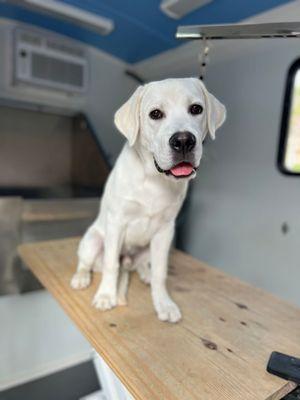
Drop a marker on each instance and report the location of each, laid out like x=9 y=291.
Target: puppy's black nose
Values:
x=182 y=142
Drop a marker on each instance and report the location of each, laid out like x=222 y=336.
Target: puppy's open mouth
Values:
x=183 y=169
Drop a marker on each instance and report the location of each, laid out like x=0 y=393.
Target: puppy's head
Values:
x=170 y=119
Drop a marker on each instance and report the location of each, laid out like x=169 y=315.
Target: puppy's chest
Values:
x=145 y=221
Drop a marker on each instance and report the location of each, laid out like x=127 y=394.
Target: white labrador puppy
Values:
x=165 y=124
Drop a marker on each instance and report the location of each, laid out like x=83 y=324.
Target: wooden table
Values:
x=218 y=351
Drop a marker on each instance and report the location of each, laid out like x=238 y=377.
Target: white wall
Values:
x=36 y=337
x=240 y=200
x=109 y=89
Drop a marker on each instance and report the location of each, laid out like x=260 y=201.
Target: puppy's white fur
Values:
x=135 y=225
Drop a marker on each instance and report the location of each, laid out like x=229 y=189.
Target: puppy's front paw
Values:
x=167 y=310
x=81 y=280
x=104 y=301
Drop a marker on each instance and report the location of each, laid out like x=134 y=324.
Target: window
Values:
x=289 y=145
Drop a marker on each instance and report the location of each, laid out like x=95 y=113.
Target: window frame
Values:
x=286 y=112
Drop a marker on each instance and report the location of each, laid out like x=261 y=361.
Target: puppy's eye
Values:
x=156 y=114
x=195 y=109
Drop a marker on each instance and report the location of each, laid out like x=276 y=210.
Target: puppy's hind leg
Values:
x=89 y=250
x=123 y=287
x=125 y=267
x=142 y=265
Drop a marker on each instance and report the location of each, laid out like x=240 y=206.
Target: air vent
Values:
x=56 y=71
x=64 y=48
x=179 y=8
x=50 y=62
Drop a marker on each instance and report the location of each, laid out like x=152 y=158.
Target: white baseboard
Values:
x=45 y=369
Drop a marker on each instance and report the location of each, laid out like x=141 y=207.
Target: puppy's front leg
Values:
x=165 y=307
x=106 y=295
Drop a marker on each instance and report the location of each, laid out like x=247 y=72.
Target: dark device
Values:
x=284 y=366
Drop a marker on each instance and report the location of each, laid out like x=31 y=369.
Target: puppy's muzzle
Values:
x=182 y=142
x=182 y=145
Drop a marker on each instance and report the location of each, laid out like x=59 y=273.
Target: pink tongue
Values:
x=182 y=169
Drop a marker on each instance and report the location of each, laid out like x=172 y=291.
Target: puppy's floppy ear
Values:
x=216 y=111
x=127 y=118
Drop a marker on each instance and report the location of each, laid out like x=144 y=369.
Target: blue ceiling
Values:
x=141 y=29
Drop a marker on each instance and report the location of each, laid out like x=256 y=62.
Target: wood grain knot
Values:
x=242 y=306
x=209 y=344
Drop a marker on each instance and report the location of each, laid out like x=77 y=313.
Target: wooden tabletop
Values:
x=218 y=351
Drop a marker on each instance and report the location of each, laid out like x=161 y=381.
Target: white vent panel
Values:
x=56 y=71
